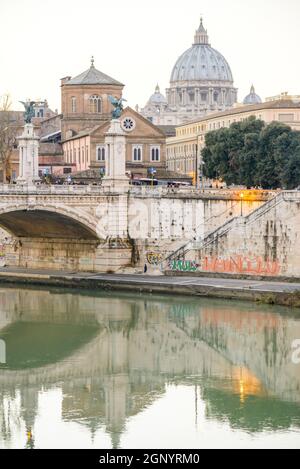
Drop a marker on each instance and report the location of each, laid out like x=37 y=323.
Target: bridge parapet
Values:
x=47 y=189
x=148 y=192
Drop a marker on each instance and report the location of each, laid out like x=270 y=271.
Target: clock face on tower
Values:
x=128 y=124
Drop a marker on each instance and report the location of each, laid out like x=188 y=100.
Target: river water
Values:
x=90 y=370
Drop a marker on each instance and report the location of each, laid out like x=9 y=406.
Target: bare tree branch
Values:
x=8 y=133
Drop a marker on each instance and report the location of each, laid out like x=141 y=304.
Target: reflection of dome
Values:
x=252 y=98
x=201 y=62
x=157 y=98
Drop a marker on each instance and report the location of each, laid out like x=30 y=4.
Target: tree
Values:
x=288 y=159
x=7 y=137
x=248 y=160
x=230 y=153
x=269 y=158
x=251 y=153
x=215 y=154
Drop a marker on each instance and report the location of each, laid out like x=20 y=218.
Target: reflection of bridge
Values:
x=93 y=228
x=142 y=344
x=176 y=339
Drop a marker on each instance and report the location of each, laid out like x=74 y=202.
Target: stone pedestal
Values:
x=29 y=156
x=115 y=170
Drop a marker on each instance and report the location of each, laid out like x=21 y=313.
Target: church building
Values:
x=86 y=116
x=201 y=83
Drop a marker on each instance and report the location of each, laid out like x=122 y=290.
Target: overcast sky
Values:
x=138 y=42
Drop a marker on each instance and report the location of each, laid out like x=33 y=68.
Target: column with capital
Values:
x=184 y=96
x=211 y=92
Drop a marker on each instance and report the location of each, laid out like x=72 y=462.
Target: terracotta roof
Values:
x=92 y=76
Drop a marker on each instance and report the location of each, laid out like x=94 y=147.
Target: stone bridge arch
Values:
x=48 y=221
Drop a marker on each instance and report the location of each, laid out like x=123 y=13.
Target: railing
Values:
x=210 y=238
x=285 y=196
x=144 y=191
x=10 y=189
x=223 y=194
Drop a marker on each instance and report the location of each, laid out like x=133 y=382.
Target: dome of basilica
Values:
x=157 y=99
x=252 y=98
x=201 y=83
x=201 y=62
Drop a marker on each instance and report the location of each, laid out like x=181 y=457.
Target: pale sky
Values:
x=138 y=42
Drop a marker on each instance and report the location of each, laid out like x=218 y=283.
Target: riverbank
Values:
x=279 y=293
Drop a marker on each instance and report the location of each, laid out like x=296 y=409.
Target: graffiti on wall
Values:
x=154 y=258
x=241 y=265
x=183 y=266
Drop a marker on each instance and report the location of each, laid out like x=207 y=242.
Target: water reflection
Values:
x=105 y=360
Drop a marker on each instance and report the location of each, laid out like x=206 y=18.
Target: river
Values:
x=82 y=369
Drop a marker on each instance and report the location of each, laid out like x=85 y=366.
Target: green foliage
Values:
x=251 y=153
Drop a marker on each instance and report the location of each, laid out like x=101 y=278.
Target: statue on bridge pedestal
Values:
x=29 y=111
x=115 y=140
x=28 y=148
x=118 y=105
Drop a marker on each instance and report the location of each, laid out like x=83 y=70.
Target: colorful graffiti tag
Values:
x=183 y=266
x=241 y=265
x=154 y=258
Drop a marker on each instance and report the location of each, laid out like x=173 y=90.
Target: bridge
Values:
x=100 y=229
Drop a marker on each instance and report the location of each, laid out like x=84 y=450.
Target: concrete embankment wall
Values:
x=266 y=243
x=161 y=226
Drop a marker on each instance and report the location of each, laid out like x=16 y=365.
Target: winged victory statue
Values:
x=29 y=111
x=118 y=106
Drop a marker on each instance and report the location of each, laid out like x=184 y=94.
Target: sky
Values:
x=138 y=42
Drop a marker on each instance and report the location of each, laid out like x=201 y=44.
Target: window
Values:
x=155 y=153
x=100 y=153
x=95 y=104
x=137 y=153
x=67 y=170
x=286 y=117
x=73 y=104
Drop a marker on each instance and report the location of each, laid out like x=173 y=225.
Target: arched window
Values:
x=101 y=153
x=155 y=154
x=95 y=103
x=73 y=104
x=137 y=153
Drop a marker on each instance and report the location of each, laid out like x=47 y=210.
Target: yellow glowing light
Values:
x=242 y=391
